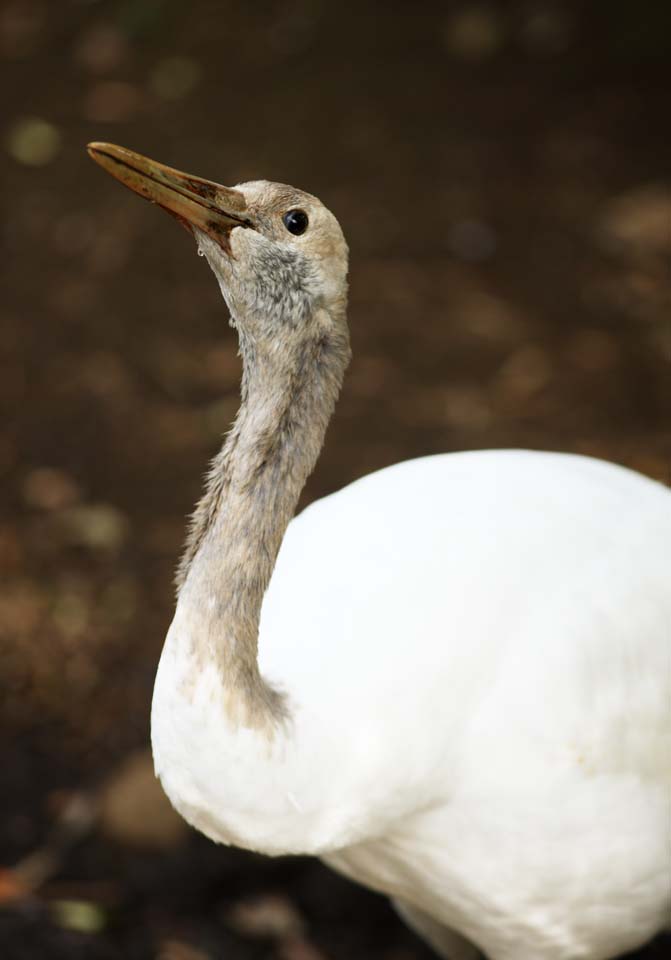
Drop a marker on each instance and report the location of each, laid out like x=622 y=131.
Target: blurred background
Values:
x=503 y=174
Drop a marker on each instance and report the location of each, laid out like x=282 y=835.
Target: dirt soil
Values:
x=503 y=175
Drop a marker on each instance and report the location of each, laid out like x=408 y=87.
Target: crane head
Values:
x=278 y=253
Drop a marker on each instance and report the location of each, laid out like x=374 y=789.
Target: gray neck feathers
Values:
x=250 y=496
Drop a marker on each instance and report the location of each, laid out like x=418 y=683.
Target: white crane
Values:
x=452 y=679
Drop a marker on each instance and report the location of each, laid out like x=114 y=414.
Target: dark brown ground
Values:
x=502 y=173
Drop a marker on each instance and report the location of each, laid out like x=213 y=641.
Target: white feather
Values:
x=477 y=652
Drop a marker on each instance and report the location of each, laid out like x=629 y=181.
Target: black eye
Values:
x=296 y=221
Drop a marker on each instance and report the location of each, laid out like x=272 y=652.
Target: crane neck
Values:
x=251 y=492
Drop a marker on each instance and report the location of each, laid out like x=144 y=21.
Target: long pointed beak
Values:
x=195 y=202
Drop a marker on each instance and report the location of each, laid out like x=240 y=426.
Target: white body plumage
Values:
x=476 y=650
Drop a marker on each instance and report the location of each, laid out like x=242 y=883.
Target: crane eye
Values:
x=296 y=221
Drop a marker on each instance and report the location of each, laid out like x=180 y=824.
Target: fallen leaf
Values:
x=135 y=810
x=78 y=915
x=33 y=141
x=12 y=886
x=178 y=950
x=266 y=916
x=49 y=489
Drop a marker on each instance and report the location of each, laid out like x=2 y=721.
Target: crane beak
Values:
x=194 y=202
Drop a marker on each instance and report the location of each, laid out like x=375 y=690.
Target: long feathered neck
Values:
x=251 y=494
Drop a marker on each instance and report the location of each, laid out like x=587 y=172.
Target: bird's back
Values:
x=419 y=588
x=487 y=637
